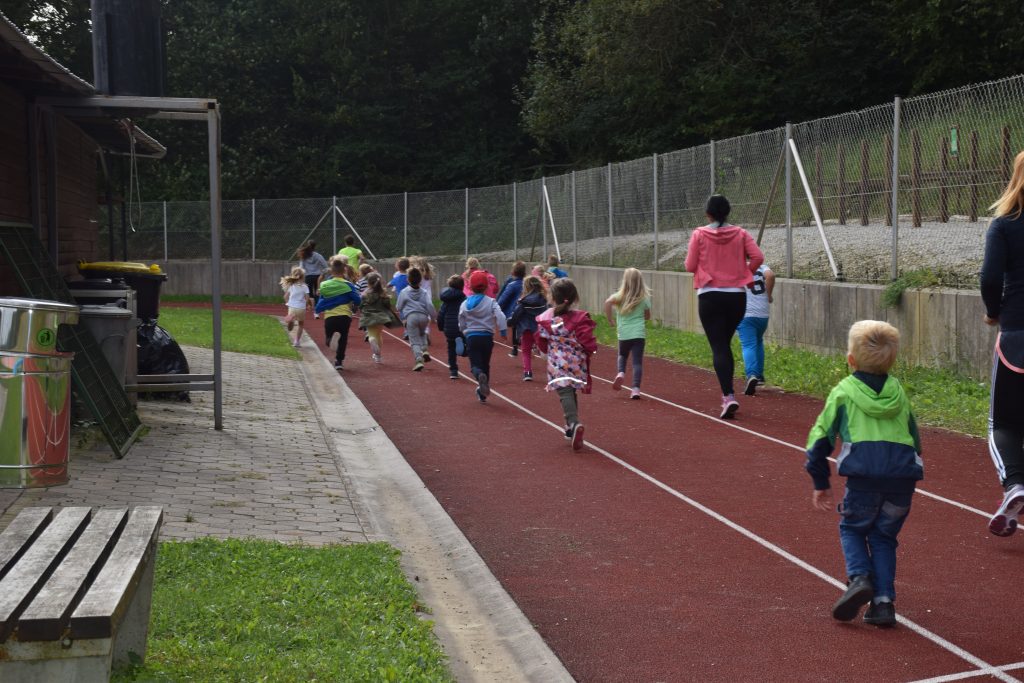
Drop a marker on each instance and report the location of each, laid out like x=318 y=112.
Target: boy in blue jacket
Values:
x=880 y=458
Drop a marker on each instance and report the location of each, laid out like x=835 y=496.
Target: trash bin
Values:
x=114 y=329
x=35 y=388
x=102 y=291
x=145 y=280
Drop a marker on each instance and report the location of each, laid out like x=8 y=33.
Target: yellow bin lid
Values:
x=120 y=267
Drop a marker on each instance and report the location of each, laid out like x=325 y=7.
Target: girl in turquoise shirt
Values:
x=632 y=306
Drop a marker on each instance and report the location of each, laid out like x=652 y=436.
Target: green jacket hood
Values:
x=883 y=405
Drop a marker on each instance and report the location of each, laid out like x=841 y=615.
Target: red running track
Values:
x=678 y=547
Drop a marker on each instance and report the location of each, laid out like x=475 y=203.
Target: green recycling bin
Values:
x=35 y=393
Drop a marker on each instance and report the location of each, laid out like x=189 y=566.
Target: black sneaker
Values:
x=337 y=365
x=514 y=352
x=527 y=376
x=480 y=396
x=453 y=375
x=568 y=432
x=858 y=593
x=483 y=388
x=881 y=614
x=752 y=383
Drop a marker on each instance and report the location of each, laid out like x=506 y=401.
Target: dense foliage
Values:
x=348 y=97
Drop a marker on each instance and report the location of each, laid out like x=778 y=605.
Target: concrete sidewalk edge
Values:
x=481 y=628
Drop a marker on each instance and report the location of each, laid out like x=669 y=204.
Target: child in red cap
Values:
x=478 y=316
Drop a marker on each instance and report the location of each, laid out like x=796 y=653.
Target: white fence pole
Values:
x=252 y=221
x=515 y=224
x=789 y=201
x=551 y=219
x=575 y=243
x=467 y=222
x=611 y=225
x=405 y=224
x=712 y=150
x=165 y=232
x=334 y=224
x=814 y=210
x=654 y=165
x=543 y=222
x=895 y=188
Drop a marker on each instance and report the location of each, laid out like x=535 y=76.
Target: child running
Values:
x=567 y=337
x=478 y=316
x=400 y=280
x=338 y=299
x=509 y=295
x=755 y=321
x=882 y=464
x=417 y=310
x=532 y=302
x=632 y=306
x=452 y=297
x=376 y=313
x=297 y=299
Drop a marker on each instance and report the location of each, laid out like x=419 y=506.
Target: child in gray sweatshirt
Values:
x=417 y=310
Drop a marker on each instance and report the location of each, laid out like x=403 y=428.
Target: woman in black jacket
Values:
x=1002 y=290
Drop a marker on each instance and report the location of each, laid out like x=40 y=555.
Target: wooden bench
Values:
x=75 y=592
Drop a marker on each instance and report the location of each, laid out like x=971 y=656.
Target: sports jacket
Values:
x=881 y=447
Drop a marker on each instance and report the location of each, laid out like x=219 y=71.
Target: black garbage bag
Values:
x=159 y=354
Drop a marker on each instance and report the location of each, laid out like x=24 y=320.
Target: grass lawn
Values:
x=242 y=332
x=250 y=610
x=940 y=398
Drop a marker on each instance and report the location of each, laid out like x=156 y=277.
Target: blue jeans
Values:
x=868 y=528
x=751 y=331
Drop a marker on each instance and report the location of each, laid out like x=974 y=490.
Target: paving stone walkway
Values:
x=270 y=473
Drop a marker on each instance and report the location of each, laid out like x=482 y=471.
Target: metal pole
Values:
x=543 y=221
x=712 y=166
x=467 y=222
x=895 y=188
x=253 y=222
x=789 y=200
x=575 y=244
x=334 y=225
x=405 y=223
x=551 y=219
x=515 y=224
x=213 y=132
x=654 y=185
x=165 y=232
x=814 y=211
x=611 y=225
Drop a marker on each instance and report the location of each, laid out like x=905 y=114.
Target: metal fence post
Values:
x=789 y=200
x=575 y=243
x=165 y=232
x=405 y=223
x=895 y=187
x=253 y=222
x=515 y=223
x=611 y=224
x=467 y=222
x=712 y=164
x=654 y=185
x=543 y=221
x=334 y=224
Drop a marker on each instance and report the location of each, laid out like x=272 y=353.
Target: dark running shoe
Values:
x=881 y=614
x=568 y=432
x=858 y=593
x=480 y=396
x=752 y=383
x=527 y=376
x=453 y=375
x=577 y=436
x=337 y=365
x=485 y=390
x=514 y=352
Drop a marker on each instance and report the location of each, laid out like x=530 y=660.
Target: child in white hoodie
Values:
x=478 y=316
x=417 y=310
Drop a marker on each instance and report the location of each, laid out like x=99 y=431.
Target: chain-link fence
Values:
x=899 y=187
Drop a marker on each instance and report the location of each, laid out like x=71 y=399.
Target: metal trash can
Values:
x=35 y=388
x=114 y=329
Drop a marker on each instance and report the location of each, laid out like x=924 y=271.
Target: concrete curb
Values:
x=480 y=627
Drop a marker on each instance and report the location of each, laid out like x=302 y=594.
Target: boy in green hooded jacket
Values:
x=880 y=458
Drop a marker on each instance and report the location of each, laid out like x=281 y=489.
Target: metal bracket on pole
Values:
x=551 y=219
x=354 y=232
x=814 y=210
x=895 y=189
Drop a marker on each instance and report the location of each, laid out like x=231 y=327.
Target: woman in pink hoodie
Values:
x=723 y=259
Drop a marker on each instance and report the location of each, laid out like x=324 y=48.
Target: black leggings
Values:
x=720 y=313
x=1006 y=423
x=339 y=324
x=480 y=347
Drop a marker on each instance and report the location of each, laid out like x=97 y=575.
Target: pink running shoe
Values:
x=619 y=379
x=634 y=393
x=1004 y=521
x=729 y=407
x=577 y=436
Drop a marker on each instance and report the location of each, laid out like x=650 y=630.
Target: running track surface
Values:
x=678 y=547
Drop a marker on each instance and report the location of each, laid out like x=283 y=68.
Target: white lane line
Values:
x=732 y=425
x=971 y=674
x=765 y=543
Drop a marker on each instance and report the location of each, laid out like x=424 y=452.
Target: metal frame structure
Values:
x=174 y=109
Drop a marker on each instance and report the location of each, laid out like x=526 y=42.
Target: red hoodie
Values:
x=722 y=257
x=492 y=284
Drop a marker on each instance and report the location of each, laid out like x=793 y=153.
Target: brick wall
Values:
x=77 y=209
